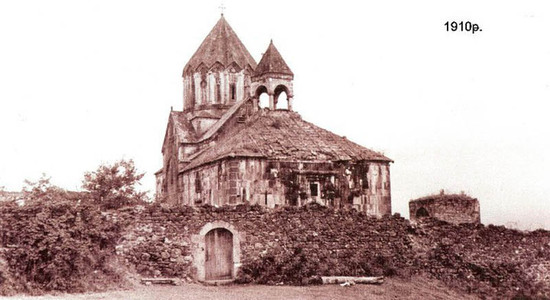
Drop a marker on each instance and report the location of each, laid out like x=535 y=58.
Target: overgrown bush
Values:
x=490 y=261
x=60 y=240
x=59 y=244
x=300 y=267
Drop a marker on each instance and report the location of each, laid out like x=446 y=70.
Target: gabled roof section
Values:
x=183 y=128
x=221 y=45
x=283 y=135
x=272 y=62
x=228 y=114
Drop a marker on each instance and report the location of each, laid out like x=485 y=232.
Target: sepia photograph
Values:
x=244 y=149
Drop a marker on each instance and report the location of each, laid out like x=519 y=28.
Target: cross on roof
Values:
x=222 y=7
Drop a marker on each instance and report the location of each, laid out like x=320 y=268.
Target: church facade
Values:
x=224 y=149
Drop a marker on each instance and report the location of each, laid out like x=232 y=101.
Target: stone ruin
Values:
x=455 y=208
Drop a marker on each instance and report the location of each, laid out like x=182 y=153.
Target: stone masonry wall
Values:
x=290 y=245
x=364 y=186
x=159 y=241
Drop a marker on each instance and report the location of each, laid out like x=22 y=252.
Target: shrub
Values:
x=58 y=244
x=299 y=267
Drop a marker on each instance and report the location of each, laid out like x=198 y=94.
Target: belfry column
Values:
x=271 y=101
x=255 y=103
x=290 y=98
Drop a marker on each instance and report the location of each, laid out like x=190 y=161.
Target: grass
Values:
x=392 y=288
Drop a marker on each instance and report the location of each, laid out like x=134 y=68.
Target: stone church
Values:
x=225 y=149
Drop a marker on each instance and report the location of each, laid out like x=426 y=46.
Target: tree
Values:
x=42 y=190
x=113 y=186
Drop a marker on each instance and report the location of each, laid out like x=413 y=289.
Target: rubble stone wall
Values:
x=163 y=241
x=288 y=245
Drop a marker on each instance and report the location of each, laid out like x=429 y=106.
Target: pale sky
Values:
x=88 y=82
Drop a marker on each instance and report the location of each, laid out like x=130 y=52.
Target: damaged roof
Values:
x=284 y=135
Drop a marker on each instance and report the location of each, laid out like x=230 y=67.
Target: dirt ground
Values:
x=416 y=288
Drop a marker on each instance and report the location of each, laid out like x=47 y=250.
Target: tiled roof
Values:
x=207 y=114
x=283 y=135
x=184 y=129
x=222 y=45
x=272 y=62
x=228 y=114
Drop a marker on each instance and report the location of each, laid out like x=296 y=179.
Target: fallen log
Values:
x=354 y=279
x=148 y=281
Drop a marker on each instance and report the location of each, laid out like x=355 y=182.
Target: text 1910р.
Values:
x=462 y=26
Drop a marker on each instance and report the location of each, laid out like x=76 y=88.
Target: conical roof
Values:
x=272 y=62
x=221 y=45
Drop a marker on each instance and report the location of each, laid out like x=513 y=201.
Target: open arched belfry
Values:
x=224 y=148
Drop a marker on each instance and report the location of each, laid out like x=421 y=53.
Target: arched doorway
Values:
x=422 y=213
x=223 y=242
x=218 y=254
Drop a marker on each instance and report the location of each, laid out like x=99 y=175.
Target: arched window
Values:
x=167 y=177
x=203 y=89
x=233 y=91
x=198 y=184
x=218 y=90
x=193 y=100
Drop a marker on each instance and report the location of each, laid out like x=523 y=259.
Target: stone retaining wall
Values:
x=166 y=242
x=284 y=245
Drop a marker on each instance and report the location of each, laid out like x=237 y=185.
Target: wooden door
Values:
x=219 y=254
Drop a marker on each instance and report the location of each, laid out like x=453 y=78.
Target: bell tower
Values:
x=272 y=76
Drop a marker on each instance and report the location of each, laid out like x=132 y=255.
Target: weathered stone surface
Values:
x=453 y=208
x=314 y=228
x=482 y=259
x=223 y=149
